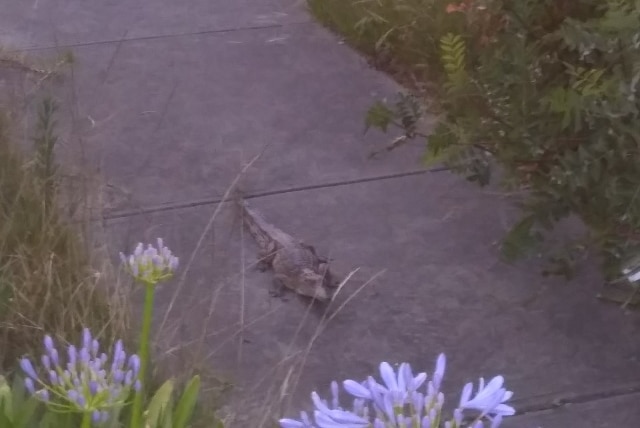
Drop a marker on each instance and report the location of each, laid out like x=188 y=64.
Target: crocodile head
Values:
x=330 y=280
x=312 y=284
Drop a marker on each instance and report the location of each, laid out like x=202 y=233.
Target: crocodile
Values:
x=295 y=264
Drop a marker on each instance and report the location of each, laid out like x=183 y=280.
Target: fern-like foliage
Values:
x=454 y=60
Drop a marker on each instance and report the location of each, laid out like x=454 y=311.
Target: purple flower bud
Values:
x=438 y=374
x=123 y=258
x=26 y=366
x=497 y=421
x=335 y=402
x=117 y=350
x=137 y=385
x=457 y=416
x=94 y=388
x=417 y=399
x=42 y=394
x=128 y=378
x=150 y=252
x=103 y=358
x=48 y=343
x=95 y=347
x=134 y=363
x=28 y=384
x=138 y=250
x=356 y=389
x=95 y=365
x=73 y=355
x=96 y=416
x=53 y=353
x=53 y=377
x=157 y=261
x=81 y=401
x=433 y=414
x=86 y=338
x=84 y=356
x=358 y=406
x=118 y=376
x=76 y=397
x=46 y=362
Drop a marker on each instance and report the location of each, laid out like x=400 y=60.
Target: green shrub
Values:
x=545 y=90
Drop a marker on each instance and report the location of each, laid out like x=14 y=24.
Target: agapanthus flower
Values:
x=489 y=399
x=398 y=402
x=86 y=381
x=150 y=265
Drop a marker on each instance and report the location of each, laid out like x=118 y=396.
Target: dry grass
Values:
x=49 y=282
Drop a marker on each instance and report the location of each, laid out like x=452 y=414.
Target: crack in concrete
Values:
x=213 y=201
x=163 y=36
x=583 y=398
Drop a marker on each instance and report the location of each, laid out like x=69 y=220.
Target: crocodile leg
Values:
x=265 y=257
x=278 y=289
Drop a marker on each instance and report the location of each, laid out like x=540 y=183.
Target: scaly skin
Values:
x=295 y=264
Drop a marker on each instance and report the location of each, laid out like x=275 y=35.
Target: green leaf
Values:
x=187 y=403
x=25 y=413
x=5 y=422
x=13 y=407
x=6 y=400
x=114 y=417
x=160 y=401
x=57 y=420
x=439 y=145
x=520 y=239
x=453 y=58
x=379 y=116
x=167 y=417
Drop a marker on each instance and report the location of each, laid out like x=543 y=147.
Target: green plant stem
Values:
x=86 y=420
x=136 y=412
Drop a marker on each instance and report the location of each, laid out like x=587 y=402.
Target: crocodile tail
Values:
x=254 y=223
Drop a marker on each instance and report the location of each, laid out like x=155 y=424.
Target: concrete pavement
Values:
x=171 y=99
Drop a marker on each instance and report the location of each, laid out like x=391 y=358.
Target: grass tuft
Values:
x=401 y=37
x=48 y=281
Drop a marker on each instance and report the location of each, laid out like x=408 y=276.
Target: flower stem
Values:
x=86 y=420
x=136 y=412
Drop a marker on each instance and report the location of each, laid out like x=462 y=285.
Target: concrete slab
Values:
x=443 y=290
x=621 y=411
x=28 y=24
x=173 y=120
